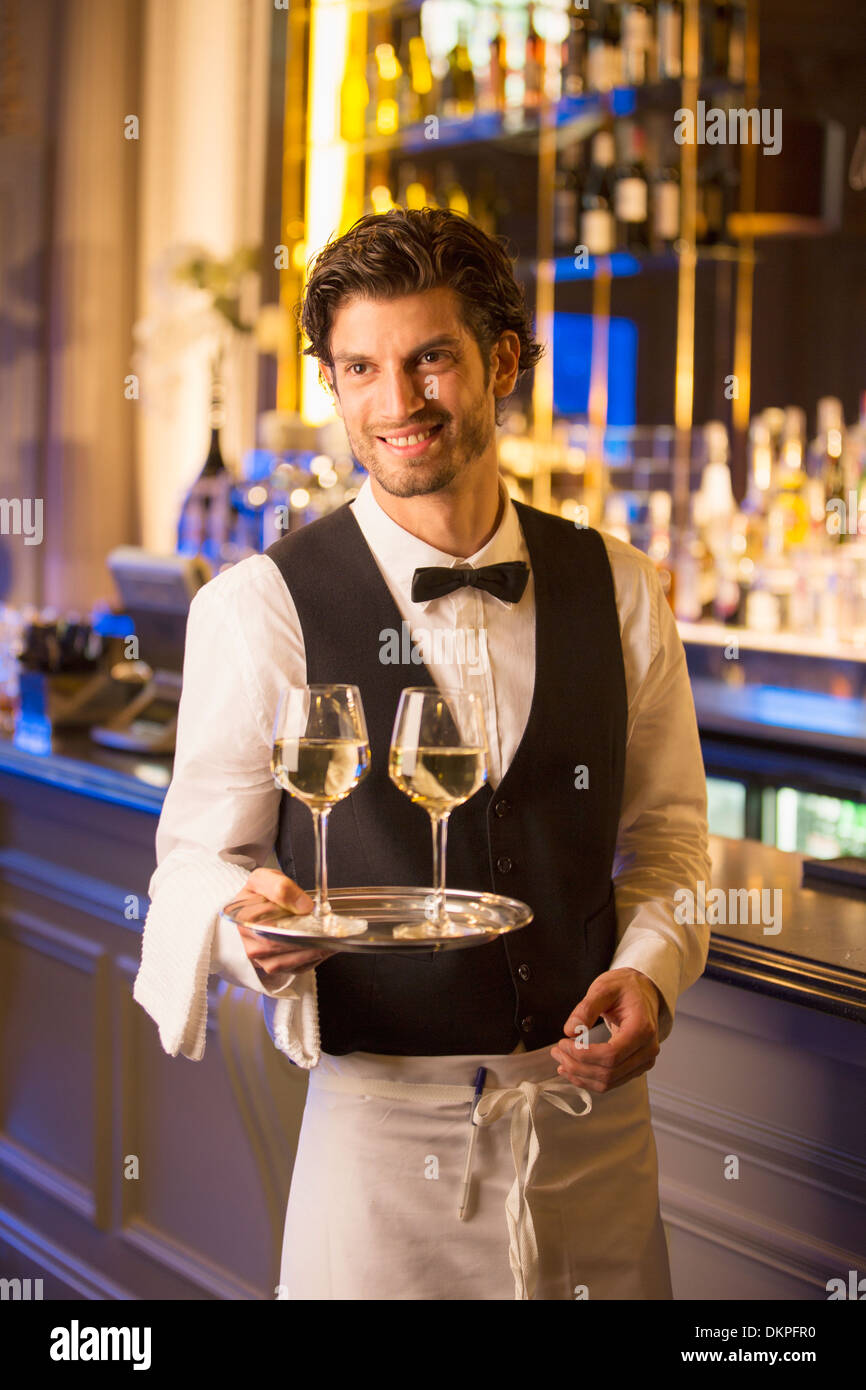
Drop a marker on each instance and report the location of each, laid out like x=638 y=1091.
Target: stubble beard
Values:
x=417 y=477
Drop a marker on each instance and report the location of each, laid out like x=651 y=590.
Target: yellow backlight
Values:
x=380 y=197
x=422 y=76
x=387 y=117
x=386 y=60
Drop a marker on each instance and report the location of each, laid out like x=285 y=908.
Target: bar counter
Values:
x=765 y=1062
x=817 y=959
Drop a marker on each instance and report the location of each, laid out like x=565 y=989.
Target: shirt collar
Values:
x=399 y=553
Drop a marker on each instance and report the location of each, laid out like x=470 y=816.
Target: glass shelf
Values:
x=625 y=263
x=571 y=117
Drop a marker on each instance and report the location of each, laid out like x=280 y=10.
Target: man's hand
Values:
x=629 y=1003
x=271 y=957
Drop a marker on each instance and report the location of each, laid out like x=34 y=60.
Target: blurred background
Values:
x=682 y=186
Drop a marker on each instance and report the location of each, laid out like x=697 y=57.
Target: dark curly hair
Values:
x=406 y=251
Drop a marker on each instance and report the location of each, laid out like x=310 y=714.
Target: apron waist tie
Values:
x=522 y=1103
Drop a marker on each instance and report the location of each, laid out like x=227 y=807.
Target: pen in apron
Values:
x=480 y=1077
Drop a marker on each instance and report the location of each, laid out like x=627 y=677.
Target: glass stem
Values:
x=440 y=839
x=322 y=907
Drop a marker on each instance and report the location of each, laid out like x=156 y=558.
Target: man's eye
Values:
x=434 y=352
x=352 y=365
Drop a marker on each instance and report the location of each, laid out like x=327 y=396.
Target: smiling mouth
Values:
x=411 y=440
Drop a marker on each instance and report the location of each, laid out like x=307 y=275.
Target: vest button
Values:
x=524 y=972
x=526 y=1023
x=502 y=808
x=503 y=864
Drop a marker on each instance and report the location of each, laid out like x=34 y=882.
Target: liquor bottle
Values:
x=613 y=44
x=669 y=40
x=411 y=192
x=378 y=198
x=449 y=190
x=717 y=512
x=574 y=52
x=459 y=94
x=616 y=517
x=711 y=215
x=694 y=571
x=488 y=82
x=378 y=34
x=209 y=515
x=604 y=51
x=665 y=209
x=825 y=463
x=486 y=203
x=354 y=102
x=498 y=50
x=774 y=418
x=715 y=26
x=565 y=199
x=389 y=73
x=636 y=45
x=737 y=45
x=410 y=105
x=428 y=180
x=593 y=61
x=630 y=197
x=659 y=548
x=554 y=30
x=437 y=36
x=534 y=64
x=759 y=474
x=855 y=451
x=788 y=507
x=421 y=72
x=597 y=224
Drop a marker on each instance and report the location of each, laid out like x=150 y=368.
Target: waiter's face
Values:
x=410 y=367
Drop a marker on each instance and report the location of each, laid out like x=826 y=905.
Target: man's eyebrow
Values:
x=443 y=340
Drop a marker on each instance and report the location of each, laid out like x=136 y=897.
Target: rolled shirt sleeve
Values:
x=662 y=841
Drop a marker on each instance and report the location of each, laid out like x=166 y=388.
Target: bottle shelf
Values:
x=622 y=264
x=570 y=117
x=713 y=634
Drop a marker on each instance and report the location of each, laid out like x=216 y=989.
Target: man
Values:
x=594 y=813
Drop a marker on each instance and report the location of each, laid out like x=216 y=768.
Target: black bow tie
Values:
x=503 y=581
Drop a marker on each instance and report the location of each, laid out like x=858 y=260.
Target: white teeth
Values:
x=404 y=440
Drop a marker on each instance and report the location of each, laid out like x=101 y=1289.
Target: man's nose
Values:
x=400 y=396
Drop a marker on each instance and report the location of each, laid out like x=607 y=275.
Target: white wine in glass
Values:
x=438 y=759
x=320 y=753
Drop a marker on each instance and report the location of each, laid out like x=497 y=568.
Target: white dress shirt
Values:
x=219 y=817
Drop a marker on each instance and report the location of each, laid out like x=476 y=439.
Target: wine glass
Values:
x=321 y=751
x=438 y=759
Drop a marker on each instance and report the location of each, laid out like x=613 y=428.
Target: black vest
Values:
x=538 y=837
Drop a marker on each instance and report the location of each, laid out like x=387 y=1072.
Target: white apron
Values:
x=563 y=1202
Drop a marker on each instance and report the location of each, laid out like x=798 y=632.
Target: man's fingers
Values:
x=296 y=961
x=601 y=995
x=601 y=1087
x=604 y=1057
x=260 y=948
x=272 y=956
x=603 y=1077
x=280 y=889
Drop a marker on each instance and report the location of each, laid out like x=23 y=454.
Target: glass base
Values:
x=423 y=931
x=331 y=924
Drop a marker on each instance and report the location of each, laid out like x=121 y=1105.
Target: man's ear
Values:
x=505 y=363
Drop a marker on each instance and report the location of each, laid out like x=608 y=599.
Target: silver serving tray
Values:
x=386 y=910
